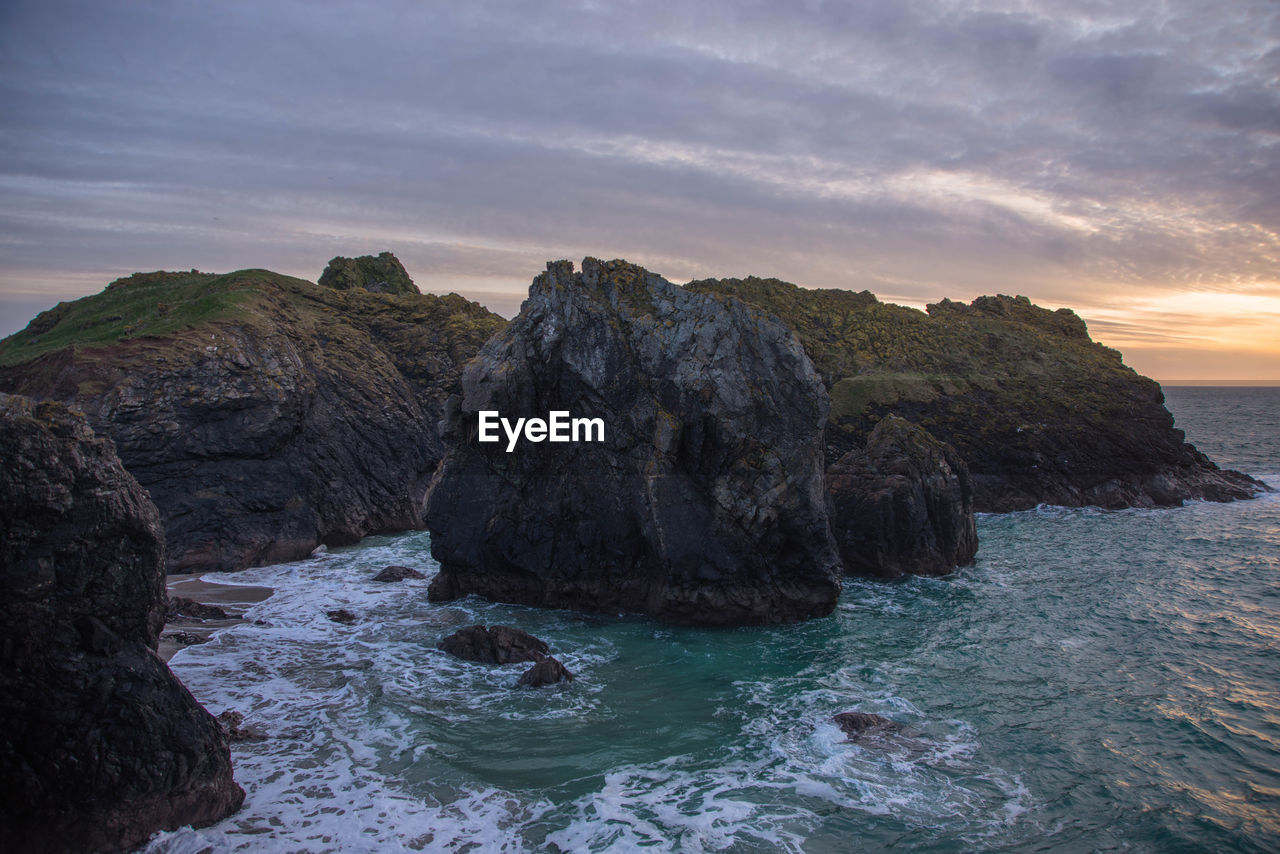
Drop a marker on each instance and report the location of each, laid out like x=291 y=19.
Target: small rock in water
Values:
x=397 y=573
x=180 y=607
x=494 y=645
x=232 y=724
x=186 y=638
x=341 y=615
x=859 y=724
x=546 y=671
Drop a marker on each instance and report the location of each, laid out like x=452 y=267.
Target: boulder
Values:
x=181 y=608
x=494 y=645
x=232 y=723
x=341 y=615
x=545 y=671
x=903 y=505
x=859 y=724
x=702 y=505
x=397 y=573
x=100 y=744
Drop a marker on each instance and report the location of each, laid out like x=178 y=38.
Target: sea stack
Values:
x=100 y=745
x=703 y=504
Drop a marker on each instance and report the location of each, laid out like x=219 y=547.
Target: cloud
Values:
x=1068 y=150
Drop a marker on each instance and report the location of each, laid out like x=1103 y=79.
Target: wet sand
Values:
x=232 y=598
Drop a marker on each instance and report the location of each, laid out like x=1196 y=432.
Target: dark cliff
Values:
x=100 y=745
x=265 y=414
x=704 y=503
x=1038 y=411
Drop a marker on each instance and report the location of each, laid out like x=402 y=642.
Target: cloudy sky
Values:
x=1120 y=158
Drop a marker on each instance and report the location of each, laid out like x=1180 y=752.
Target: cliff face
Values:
x=265 y=414
x=704 y=502
x=903 y=505
x=100 y=745
x=1038 y=411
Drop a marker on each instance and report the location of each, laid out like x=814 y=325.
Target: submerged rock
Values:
x=859 y=724
x=232 y=723
x=704 y=502
x=903 y=505
x=546 y=671
x=341 y=615
x=397 y=573
x=100 y=745
x=494 y=645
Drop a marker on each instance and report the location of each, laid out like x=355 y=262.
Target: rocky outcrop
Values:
x=546 y=671
x=397 y=573
x=903 y=505
x=1039 y=412
x=265 y=415
x=100 y=745
x=181 y=609
x=494 y=645
x=379 y=274
x=702 y=504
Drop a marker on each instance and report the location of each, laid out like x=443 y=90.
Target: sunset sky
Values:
x=1119 y=158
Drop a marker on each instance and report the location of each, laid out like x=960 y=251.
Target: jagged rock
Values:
x=180 y=607
x=703 y=504
x=100 y=745
x=397 y=573
x=545 y=671
x=381 y=274
x=186 y=638
x=859 y=724
x=1039 y=412
x=232 y=723
x=341 y=615
x=903 y=505
x=494 y=645
x=265 y=414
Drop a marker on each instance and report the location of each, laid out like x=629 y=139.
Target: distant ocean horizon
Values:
x=1099 y=680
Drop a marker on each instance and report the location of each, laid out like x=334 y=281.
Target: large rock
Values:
x=1039 y=412
x=265 y=415
x=100 y=745
x=703 y=504
x=379 y=274
x=494 y=645
x=903 y=505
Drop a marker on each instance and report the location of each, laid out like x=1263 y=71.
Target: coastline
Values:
x=235 y=599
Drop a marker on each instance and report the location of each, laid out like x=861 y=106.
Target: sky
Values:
x=1118 y=158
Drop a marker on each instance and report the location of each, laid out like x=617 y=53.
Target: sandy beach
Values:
x=232 y=598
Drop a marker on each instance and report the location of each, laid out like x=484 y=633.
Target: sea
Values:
x=1097 y=681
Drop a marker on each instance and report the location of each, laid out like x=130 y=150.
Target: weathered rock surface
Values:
x=180 y=608
x=860 y=724
x=379 y=274
x=397 y=573
x=903 y=505
x=494 y=645
x=265 y=414
x=1039 y=412
x=100 y=745
x=545 y=671
x=704 y=503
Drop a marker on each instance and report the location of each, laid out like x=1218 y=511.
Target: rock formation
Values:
x=704 y=502
x=1039 y=412
x=857 y=725
x=397 y=573
x=903 y=505
x=545 y=671
x=100 y=745
x=380 y=274
x=264 y=414
x=494 y=645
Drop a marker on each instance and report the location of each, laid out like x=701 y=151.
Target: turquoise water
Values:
x=1099 y=680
